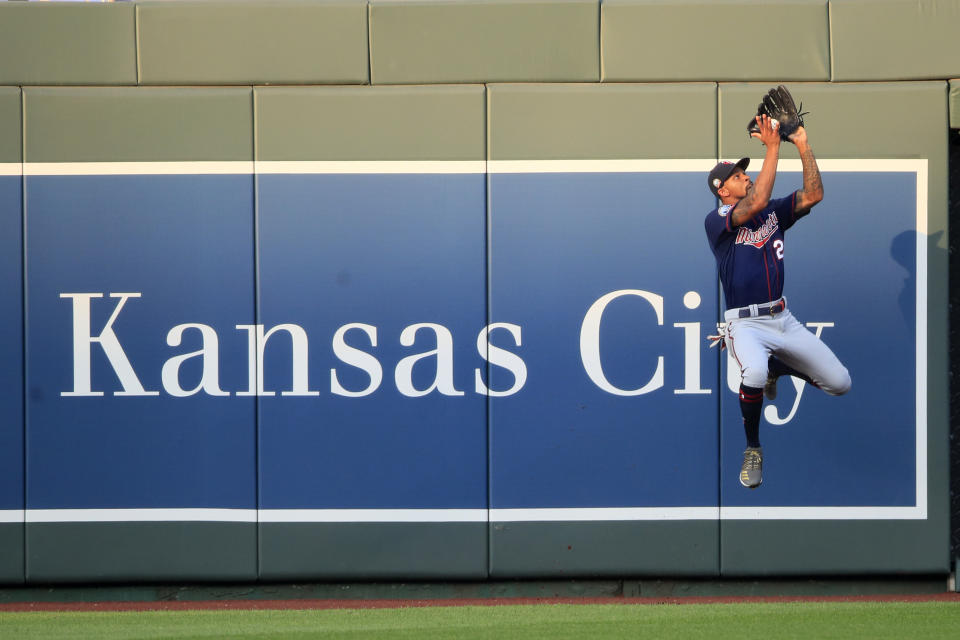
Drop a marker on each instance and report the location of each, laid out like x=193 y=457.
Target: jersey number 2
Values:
x=778 y=248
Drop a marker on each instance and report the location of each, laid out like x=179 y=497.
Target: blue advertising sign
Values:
x=423 y=337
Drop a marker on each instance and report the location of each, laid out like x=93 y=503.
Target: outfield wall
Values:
x=452 y=325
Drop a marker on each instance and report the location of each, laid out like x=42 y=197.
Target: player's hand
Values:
x=798 y=137
x=769 y=131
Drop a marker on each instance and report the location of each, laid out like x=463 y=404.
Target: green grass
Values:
x=741 y=621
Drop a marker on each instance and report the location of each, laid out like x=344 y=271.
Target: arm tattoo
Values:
x=739 y=213
x=812 y=184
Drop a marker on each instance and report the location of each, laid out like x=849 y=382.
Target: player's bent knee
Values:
x=755 y=377
x=840 y=385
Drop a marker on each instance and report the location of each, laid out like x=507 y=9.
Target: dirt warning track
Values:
x=305 y=604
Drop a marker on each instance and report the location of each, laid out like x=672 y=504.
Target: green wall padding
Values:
x=430 y=41
x=382 y=550
x=67 y=43
x=894 y=39
x=654 y=40
x=955 y=104
x=371 y=123
x=11 y=553
x=557 y=549
x=572 y=122
x=10 y=125
x=290 y=41
x=437 y=41
x=141 y=551
x=138 y=124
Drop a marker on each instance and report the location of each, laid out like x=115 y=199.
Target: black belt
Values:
x=771 y=308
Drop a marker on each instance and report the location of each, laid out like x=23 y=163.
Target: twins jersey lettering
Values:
x=750 y=257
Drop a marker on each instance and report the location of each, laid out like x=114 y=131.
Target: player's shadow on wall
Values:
x=903 y=249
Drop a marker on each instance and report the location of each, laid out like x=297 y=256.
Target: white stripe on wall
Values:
x=589 y=514
x=822 y=513
x=871 y=165
x=604 y=514
x=372 y=167
x=433 y=166
x=601 y=166
x=247 y=168
x=373 y=515
x=141 y=515
x=136 y=168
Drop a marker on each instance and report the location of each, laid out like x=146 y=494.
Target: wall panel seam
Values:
x=489 y=309
x=719 y=314
x=23 y=313
x=136 y=43
x=600 y=76
x=256 y=319
x=830 y=39
x=369 y=44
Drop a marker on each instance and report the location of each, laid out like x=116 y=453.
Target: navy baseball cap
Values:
x=722 y=171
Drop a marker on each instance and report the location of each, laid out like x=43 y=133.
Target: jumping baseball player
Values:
x=746 y=233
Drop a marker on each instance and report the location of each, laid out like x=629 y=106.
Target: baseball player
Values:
x=746 y=233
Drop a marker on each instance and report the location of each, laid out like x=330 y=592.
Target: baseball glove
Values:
x=778 y=104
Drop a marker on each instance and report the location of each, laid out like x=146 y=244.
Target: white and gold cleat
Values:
x=751 y=473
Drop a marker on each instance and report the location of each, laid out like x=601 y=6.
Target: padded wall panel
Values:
x=616 y=548
x=652 y=40
x=955 y=104
x=140 y=441
x=869 y=245
x=383 y=550
x=612 y=122
x=130 y=552
x=379 y=469
x=608 y=437
x=140 y=125
x=435 y=41
x=286 y=42
x=364 y=123
x=11 y=141
x=12 y=544
x=11 y=346
x=65 y=43
x=894 y=39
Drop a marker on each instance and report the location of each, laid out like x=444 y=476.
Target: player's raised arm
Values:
x=758 y=198
x=812 y=191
